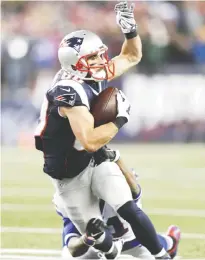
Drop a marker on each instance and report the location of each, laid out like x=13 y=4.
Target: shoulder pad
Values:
x=69 y=93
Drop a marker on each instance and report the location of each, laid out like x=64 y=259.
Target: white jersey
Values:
x=119 y=228
x=117 y=225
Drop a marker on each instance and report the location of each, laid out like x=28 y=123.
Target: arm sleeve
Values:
x=69 y=231
x=69 y=96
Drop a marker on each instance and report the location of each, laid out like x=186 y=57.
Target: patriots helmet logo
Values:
x=74 y=42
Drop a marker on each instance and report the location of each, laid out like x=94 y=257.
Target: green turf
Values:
x=187 y=224
x=192 y=248
x=40 y=241
x=172 y=176
x=170 y=203
x=31 y=219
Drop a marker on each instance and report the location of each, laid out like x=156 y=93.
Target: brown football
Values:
x=104 y=106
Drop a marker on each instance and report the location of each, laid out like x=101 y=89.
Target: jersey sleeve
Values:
x=70 y=96
x=69 y=231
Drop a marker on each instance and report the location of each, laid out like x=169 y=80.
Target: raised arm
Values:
x=131 y=52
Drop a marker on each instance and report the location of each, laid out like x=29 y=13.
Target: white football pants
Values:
x=80 y=195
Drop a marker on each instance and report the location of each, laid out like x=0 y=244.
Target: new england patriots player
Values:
x=67 y=137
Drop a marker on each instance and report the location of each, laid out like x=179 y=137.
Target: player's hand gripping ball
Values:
x=110 y=104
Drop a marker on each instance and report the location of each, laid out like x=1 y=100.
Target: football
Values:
x=104 y=106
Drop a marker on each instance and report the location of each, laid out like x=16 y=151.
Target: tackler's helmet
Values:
x=75 y=50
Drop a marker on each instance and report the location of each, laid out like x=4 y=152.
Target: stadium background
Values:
x=164 y=140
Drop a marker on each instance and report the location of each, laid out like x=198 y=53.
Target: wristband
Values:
x=89 y=241
x=120 y=121
x=137 y=196
x=131 y=35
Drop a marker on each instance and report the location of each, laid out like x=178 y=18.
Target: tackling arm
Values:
x=72 y=239
x=130 y=178
x=73 y=242
x=77 y=247
x=107 y=154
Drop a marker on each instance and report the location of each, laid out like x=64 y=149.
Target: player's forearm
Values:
x=129 y=176
x=132 y=48
x=100 y=136
x=77 y=247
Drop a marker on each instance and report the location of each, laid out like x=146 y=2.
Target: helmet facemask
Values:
x=96 y=72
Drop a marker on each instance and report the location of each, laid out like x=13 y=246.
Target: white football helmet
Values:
x=76 y=48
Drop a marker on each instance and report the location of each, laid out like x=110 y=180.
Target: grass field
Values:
x=172 y=177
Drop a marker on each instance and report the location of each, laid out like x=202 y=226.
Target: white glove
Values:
x=123 y=108
x=125 y=17
x=123 y=105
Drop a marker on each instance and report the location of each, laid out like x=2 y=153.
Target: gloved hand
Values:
x=125 y=17
x=106 y=154
x=94 y=229
x=123 y=105
x=123 y=108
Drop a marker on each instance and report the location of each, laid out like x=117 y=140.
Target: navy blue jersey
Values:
x=63 y=156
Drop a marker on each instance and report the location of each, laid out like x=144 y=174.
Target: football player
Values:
x=85 y=246
x=67 y=137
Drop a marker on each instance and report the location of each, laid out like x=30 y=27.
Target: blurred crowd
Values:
x=172 y=32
